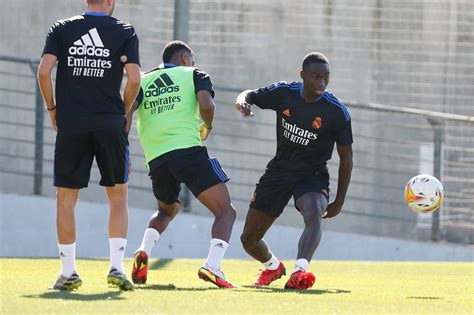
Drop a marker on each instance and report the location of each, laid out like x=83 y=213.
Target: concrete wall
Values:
x=27 y=229
x=416 y=54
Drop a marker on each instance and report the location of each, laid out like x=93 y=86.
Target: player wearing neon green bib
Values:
x=172 y=99
x=168 y=114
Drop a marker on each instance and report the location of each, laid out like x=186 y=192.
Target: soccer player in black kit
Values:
x=309 y=121
x=88 y=113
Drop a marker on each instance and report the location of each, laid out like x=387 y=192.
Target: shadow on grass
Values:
x=160 y=263
x=310 y=291
x=74 y=295
x=170 y=287
x=424 y=298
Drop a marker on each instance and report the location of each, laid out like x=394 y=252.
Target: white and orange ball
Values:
x=424 y=193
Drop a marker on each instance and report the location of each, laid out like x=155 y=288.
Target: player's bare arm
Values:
x=132 y=86
x=206 y=110
x=45 y=81
x=243 y=104
x=345 y=171
x=128 y=126
x=129 y=116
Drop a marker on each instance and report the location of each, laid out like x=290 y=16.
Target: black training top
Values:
x=89 y=48
x=306 y=132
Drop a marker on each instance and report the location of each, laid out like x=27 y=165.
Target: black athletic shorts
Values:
x=194 y=168
x=276 y=187
x=75 y=151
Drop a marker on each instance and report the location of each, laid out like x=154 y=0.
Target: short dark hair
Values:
x=314 y=57
x=172 y=48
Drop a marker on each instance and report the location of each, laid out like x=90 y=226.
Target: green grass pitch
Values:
x=341 y=287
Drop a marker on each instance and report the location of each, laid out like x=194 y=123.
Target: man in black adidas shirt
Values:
x=309 y=121
x=87 y=111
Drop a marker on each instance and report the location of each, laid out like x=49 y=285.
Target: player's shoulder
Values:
x=188 y=69
x=124 y=25
x=151 y=72
x=117 y=26
x=71 y=19
x=338 y=104
x=284 y=85
x=67 y=21
x=199 y=73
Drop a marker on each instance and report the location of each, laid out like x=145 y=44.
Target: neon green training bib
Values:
x=168 y=116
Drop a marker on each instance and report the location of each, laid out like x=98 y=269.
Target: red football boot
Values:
x=268 y=276
x=300 y=280
x=140 y=267
x=214 y=276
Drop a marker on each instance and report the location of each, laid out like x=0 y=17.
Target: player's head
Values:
x=106 y=6
x=315 y=73
x=179 y=53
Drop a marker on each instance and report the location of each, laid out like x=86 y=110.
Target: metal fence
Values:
x=391 y=145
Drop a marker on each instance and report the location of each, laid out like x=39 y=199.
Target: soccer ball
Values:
x=424 y=193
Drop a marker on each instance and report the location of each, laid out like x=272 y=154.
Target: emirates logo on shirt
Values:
x=296 y=134
x=160 y=95
x=86 y=56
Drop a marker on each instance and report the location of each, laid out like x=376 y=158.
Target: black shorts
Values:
x=196 y=170
x=276 y=187
x=75 y=151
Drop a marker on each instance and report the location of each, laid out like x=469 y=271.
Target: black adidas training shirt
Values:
x=90 y=71
x=306 y=132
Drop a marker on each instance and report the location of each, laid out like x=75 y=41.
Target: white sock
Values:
x=117 y=251
x=216 y=253
x=67 y=253
x=272 y=264
x=301 y=264
x=150 y=238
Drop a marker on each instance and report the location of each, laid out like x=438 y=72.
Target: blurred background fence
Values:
x=405 y=54
x=391 y=145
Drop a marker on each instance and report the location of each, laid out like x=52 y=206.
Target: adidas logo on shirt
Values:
x=89 y=44
x=86 y=56
x=156 y=99
x=163 y=84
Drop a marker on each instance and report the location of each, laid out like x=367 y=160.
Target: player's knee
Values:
x=228 y=213
x=117 y=193
x=312 y=214
x=231 y=213
x=169 y=210
x=247 y=240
